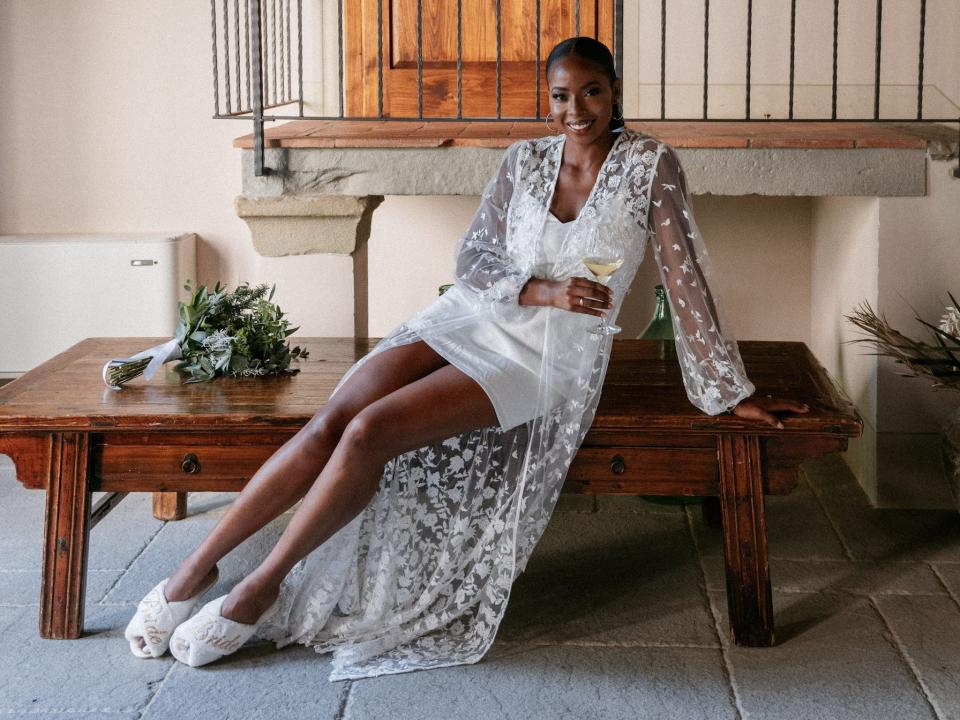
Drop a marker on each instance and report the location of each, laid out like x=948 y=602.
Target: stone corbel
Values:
x=304 y=224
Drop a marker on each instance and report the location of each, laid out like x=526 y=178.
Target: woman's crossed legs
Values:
x=402 y=399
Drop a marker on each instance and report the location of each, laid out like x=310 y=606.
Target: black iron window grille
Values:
x=258 y=61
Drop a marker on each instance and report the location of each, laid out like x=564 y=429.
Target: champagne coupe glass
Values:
x=603 y=267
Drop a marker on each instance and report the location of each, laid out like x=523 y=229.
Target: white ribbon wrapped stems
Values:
x=158 y=354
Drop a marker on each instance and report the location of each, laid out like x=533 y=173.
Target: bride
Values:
x=430 y=474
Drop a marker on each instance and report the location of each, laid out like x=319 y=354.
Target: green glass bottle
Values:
x=661 y=328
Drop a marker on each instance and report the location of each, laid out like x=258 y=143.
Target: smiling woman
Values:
x=430 y=474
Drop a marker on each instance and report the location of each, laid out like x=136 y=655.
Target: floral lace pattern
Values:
x=712 y=370
x=421 y=578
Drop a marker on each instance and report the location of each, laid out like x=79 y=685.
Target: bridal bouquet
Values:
x=238 y=333
x=940 y=361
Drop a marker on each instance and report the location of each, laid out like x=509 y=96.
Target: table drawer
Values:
x=178 y=463
x=644 y=471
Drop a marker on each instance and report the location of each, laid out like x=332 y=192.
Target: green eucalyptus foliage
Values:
x=239 y=333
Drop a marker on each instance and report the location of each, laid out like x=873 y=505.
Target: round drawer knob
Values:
x=190 y=464
x=617 y=465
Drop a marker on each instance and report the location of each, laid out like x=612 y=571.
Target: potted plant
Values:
x=939 y=361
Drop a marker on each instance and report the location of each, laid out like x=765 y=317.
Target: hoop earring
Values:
x=547 y=121
x=616 y=106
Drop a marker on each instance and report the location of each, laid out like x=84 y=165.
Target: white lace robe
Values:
x=421 y=578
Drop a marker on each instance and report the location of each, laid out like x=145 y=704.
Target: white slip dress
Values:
x=505 y=358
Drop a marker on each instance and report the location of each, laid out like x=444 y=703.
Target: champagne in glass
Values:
x=602 y=267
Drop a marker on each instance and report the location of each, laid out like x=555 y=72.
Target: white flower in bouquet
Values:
x=950 y=322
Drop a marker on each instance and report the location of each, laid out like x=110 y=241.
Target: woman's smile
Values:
x=579 y=126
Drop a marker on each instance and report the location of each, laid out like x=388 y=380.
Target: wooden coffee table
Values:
x=70 y=435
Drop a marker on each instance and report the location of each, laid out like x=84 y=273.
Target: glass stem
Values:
x=603 y=318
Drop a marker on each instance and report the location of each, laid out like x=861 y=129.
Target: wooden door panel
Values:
x=439 y=54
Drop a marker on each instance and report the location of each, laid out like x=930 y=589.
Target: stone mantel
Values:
x=454 y=170
x=721 y=158
x=325 y=178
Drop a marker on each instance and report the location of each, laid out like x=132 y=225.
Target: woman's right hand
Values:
x=566 y=294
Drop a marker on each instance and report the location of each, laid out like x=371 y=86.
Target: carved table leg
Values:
x=169 y=505
x=749 y=598
x=66 y=532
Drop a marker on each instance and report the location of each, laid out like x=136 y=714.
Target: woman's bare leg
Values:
x=289 y=472
x=444 y=403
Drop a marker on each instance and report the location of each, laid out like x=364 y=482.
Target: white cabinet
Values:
x=56 y=290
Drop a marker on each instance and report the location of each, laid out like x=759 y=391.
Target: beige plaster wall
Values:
x=107 y=127
x=919 y=260
x=760 y=249
x=843 y=273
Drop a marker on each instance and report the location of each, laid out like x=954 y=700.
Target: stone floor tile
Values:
x=257 y=681
x=833 y=659
x=114 y=542
x=21 y=524
x=949 y=574
x=886 y=534
x=22 y=587
x=571 y=502
x=72 y=715
x=556 y=682
x=610 y=579
x=636 y=503
x=178 y=538
x=123 y=534
x=863 y=577
x=928 y=629
x=94 y=672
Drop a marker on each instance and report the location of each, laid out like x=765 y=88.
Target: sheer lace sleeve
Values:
x=490 y=279
x=712 y=369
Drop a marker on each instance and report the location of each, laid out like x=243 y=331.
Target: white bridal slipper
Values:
x=209 y=636
x=156 y=619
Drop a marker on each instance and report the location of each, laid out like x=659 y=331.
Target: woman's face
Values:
x=580 y=92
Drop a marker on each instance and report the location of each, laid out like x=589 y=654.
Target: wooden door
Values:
x=518 y=31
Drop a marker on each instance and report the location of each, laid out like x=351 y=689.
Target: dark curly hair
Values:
x=596 y=52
